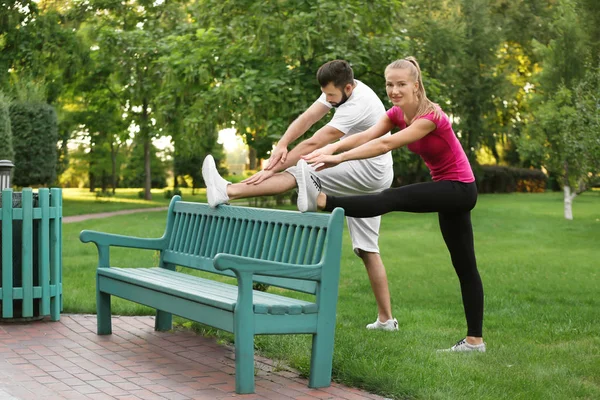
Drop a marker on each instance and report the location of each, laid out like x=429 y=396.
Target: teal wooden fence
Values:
x=39 y=280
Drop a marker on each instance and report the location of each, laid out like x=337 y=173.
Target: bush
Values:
x=170 y=193
x=35 y=134
x=498 y=179
x=100 y=195
x=6 y=141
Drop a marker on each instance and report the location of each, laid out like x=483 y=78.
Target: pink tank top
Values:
x=440 y=148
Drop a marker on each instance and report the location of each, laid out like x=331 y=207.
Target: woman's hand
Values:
x=323 y=151
x=323 y=161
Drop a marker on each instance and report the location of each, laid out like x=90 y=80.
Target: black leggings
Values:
x=453 y=201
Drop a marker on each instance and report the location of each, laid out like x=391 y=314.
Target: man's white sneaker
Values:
x=389 y=325
x=463 y=345
x=309 y=187
x=216 y=186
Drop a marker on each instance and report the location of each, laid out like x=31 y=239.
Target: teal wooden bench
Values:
x=299 y=252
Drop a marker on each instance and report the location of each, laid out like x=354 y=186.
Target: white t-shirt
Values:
x=362 y=110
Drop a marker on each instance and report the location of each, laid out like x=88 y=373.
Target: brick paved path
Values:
x=67 y=360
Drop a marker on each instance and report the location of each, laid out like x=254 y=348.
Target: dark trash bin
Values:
x=33 y=286
x=17 y=254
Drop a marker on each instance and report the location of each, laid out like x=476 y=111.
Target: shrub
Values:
x=35 y=134
x=499 y=179
x=6 y=141
x=170 y=193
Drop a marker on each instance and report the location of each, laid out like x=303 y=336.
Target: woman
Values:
x=427 y=131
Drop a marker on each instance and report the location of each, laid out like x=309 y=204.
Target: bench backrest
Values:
x=196 y=233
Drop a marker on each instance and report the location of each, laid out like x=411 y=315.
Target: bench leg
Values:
x=244 y=362
x=163 y=321
x=55 y=307
x=103 y=313
x=321 y=360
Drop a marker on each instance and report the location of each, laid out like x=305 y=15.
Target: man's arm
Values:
x=296 y=129
x=322 y=137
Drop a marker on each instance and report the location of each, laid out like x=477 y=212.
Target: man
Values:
x=357 y=109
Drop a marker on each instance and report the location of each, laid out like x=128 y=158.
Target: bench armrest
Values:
x=104 y=240
x=239 y=264
x=111 y=239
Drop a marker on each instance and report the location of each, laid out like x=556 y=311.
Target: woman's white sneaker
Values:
x=389 y=325
x=463 y=345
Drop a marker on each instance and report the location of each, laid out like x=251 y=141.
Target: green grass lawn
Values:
x=542 y=320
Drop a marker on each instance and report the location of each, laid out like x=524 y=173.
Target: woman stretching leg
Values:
x=427 y=131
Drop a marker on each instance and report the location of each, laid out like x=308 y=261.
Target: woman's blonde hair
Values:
x=426 y=106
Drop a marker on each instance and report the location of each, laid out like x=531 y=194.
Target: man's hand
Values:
x=278 y=156
x=259 y=177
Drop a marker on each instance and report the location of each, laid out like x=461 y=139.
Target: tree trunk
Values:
x=113 y=159
x=569 y=202
x=568 y=196
x=252 y=158
x=104 y=181
x=147 y=170
x=92 y=178
x=146 y=135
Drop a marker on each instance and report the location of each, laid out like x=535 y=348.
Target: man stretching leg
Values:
x=357 y=109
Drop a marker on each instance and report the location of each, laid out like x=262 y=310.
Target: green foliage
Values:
x=6 y=140
x=567 y=54
x=265 y=76
x=35 y=134
x=189 y=69
x=187 y=163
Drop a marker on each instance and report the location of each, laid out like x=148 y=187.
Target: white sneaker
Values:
x=463 y=345
x=309 y=187
x=389 y=325
x=216 y=186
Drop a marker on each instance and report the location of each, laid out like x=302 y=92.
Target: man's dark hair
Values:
x=337 y=71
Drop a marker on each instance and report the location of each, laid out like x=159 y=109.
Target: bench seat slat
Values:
x=178 y=280
x=205 y=291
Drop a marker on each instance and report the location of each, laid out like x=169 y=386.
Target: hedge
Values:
x=6 y=141
x=499 y=179
x=35 y=134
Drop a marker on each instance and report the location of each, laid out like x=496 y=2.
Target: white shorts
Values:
x=357 y=177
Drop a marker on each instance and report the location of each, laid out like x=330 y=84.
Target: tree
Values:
x=564 y=134
x=265 y=76
x=134 y=173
